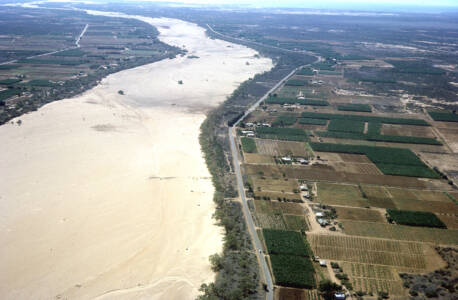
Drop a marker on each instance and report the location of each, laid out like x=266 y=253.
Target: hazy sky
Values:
x=308 y=3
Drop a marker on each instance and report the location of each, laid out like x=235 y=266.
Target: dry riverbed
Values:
x=107 y=196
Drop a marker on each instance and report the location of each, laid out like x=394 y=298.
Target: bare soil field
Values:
x=255 y=158
x=361 y=214
x=451 y=221
x=407 y=130
x=425 y=195
x=450 y=135
x=271 y=184
x=356 y=168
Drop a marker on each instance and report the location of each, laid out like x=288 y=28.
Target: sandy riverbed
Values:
x=107 y=196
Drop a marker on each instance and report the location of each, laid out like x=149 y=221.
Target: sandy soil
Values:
x=107 y=196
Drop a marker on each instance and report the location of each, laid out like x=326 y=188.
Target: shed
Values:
x=319 y=214
x=288 y=159
x=304 y=187
x=340 y=296
x=322 y=263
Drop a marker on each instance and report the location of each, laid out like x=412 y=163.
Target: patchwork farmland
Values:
x=347 y=185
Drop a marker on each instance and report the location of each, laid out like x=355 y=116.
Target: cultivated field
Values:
x=369 y=251
x=361 y=214
x=401 y=232
x=281 y=148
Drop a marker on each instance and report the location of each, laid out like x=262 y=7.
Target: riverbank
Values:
x=107 y=195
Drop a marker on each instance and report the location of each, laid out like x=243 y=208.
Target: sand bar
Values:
x=106 y=196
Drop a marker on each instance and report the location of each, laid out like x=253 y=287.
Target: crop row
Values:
x=284 y=120
x=391 y=161
x=285 y=242
x=310 y=121
x=370 y=285
x=370 y=136
x=443 y=116
x=370 y=257
x=369 y=244
x=295 y=82
x=385 y=120
x=355 y=107
x=279 y=133
x=415 y=218
x=311 y=102
x=346 y=126
x=401 y=232
x=248 y=145
x=293 y=271
x=369 y=271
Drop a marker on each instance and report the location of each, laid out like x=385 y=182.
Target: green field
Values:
x=341 y=125
x=386 y=120
x=295 y=223
x=415 y=218
x=285 y=242
x=391 y=161
x=278 y=133
x=293 y=271
x=340 y=194
x=443 y=116
x=248 y=145
x=295 y=82
x=285 y=120
x=311 y=102
x=355 y=107
x=310 y=121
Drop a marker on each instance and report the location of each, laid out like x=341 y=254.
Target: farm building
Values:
x=322 y=222
x=339 y=296
x=286 y=159
x=303 y=161
x=322 y=263
x=304 y=187
x=319 y=214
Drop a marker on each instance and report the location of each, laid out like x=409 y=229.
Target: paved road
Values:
x=260 y=44
x=77 y=45
x=241 y=188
